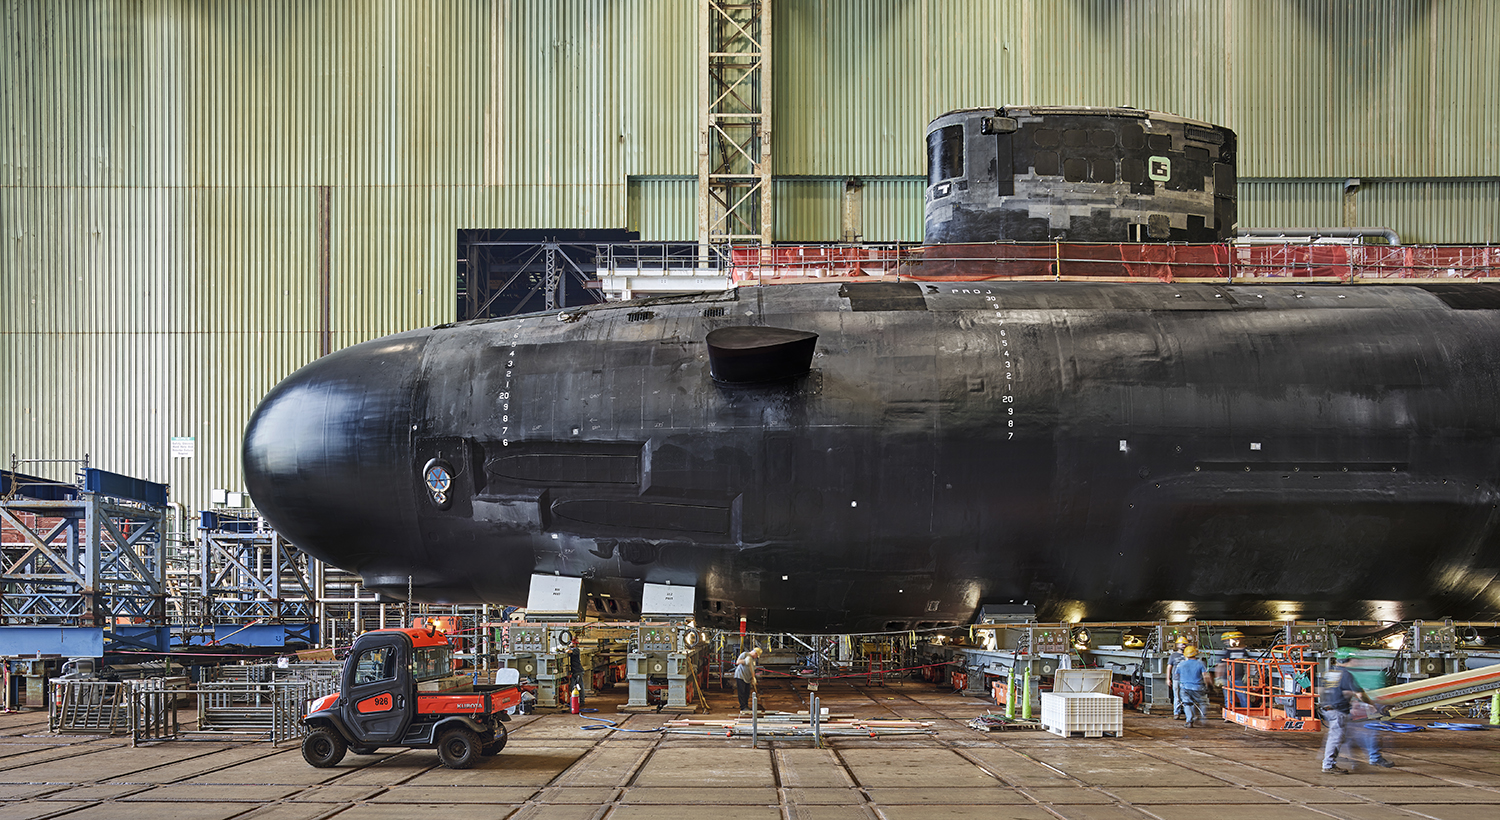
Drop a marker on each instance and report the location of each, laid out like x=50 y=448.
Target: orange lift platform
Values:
x=1273 y=693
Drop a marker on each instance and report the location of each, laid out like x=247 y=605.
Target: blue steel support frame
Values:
x=82 y=572
x=249 y=574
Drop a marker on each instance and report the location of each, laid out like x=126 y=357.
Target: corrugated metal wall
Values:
x=166 y=166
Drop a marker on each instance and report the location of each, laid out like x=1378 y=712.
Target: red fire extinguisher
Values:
x=573 y=700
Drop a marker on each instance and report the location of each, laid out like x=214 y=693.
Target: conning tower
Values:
x=1041 y=174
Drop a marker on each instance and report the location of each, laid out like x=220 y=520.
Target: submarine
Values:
x=895 y=454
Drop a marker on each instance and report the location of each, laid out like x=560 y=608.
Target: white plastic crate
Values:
x=1083 y=680
x=1085 y=714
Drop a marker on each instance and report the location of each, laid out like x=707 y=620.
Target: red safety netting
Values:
x=1066 y=261
x=753 y=263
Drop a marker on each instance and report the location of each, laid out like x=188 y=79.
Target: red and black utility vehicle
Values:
x=398 y=689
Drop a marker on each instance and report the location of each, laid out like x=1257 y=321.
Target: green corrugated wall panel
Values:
x=1313 y=203
x=857 y=82
x=258 y=94
x=1161 y=55
x=664 y=209
x=659 y=88
x=1370 y=88
x=893 y=209
x=132 y=315
x=1316 y=89
x=1446 y=211
x=808 y=210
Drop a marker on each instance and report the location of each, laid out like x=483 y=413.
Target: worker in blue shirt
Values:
x=1339 y=693
x=1191 y=680
x=1173 y=659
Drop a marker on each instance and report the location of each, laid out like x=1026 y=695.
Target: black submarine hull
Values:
x=1098 y=450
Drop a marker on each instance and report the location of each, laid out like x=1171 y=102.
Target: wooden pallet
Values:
x=1060 y=732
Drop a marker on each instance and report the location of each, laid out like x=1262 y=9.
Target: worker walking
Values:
x=1173 y=659
x=1235 y=695
x=1191 y=683
x=744 y=676
x=1340 y=691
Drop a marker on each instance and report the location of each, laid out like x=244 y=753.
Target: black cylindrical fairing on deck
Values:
x=757 y=354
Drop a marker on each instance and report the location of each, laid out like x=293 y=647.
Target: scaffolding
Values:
x=253 y=586
x=87 y=557
x=734 y=131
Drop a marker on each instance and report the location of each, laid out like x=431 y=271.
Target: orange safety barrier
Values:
x=1274 y=693
x=1070 y=261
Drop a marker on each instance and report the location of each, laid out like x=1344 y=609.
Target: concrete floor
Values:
x=553 y=769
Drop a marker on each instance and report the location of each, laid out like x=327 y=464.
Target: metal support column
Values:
x=734 y=129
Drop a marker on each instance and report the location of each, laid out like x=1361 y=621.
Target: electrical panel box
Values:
x=528 y=639
x=656 y=639
x=1316 y=636
x=1433 y=637
x=1051 y=640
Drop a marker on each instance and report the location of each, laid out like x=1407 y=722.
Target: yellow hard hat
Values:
x=1190 y=651
x=1182 y=640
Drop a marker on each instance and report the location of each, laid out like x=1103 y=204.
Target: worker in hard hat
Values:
x=1192 y=682
x=744 y=676
x=1339 y=695
x=1173 y=659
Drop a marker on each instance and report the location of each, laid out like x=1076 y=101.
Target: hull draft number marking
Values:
x=510 y=369
x=1007 y=398
x=1008 y=368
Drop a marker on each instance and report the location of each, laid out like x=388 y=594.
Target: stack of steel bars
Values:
x=785 y=724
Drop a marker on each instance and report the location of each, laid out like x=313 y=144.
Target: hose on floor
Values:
x=1386 y=726
x=606 y=723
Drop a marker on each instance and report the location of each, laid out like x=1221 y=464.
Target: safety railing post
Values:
x=755 y=720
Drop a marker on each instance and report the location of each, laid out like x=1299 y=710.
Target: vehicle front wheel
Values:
x=458 y=748
x=494 y=746
x=323 y=747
